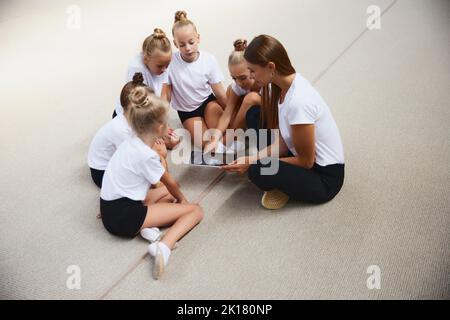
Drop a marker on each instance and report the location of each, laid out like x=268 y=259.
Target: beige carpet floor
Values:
x=388 y=90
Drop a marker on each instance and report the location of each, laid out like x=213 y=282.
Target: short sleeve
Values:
x=165 y=76
x=215 y=74
x=302 y=113
x=120 y=131
x=152 y=169
x=118 y=137
x=237 y=89
x=168 y=77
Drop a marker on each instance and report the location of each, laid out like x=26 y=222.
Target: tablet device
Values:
x=211 y=159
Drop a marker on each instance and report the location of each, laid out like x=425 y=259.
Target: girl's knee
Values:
x=198 y=213
x=213 y=105
x=251 y=99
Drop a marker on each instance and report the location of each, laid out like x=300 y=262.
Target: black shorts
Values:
x=199 y=112
x=123 y=217
x=97 y=176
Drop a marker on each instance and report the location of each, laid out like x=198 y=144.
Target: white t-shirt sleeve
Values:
x=215 y=74
x=117 y=139
x=168 y=78
x=152 y=169
x=119 y=135
x=165 y=77
x=302 y=113
x=237 y=89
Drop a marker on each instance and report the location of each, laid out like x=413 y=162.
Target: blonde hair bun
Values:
x=158 y=34
x=138 y=97
x=180 y=16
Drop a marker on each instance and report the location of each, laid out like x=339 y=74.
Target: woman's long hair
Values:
x=262 y=50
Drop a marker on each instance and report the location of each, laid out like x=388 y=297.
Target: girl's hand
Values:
x=160 y=148
x=240 y=165
x=172 y=133
x=171 y=139
x=214 y=142
x=211 y=146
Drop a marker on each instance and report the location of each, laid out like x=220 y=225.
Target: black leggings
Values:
x=316 y=185
x=97 y=176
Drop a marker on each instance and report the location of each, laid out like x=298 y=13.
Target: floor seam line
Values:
x=198 y=199
x=346 y=49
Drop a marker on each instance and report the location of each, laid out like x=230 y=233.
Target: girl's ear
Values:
x=198 y=37
x=272 y=66
x=175 y=43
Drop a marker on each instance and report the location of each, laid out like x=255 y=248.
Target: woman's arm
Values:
x=166 y=92
x=219 y=92
x=303 y=139
x=173 y=187
x=241 y=165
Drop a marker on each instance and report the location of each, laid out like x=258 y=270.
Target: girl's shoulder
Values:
x=207 y=55
x=137 y=62
x=120 y=124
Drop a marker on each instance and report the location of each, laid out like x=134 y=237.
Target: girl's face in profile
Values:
x=158 y=62
x=186 y=39
x=241 y=74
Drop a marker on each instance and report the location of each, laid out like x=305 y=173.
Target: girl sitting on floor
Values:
x=194 y=84
x=126 y=204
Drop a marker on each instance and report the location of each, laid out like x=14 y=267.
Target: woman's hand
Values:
x=240 y=165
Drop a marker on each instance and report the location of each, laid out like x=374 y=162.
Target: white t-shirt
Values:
x=238 y=90
x=107 y=140
x=191 y=82
x=131 y=171
x=304 y=105
x=155 y=82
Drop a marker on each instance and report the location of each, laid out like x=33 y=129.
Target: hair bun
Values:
x=138 y=78
x=240 y=45
x=158 y=34
x=138 y=97
x=180 y=16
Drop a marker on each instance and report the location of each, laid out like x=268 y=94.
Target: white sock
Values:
x=164 y=249
x=151 y=234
